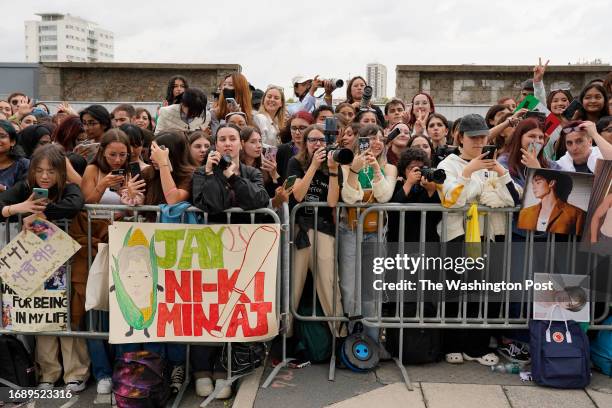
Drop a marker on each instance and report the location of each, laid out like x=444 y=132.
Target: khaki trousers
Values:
x=325 y=284
x=74 y=354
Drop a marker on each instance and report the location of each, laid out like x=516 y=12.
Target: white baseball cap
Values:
x=300 y=79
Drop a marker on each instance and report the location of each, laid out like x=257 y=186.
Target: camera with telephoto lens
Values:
x=340 y=155
x=436 y=175
x=366 y=97
x=335 y=82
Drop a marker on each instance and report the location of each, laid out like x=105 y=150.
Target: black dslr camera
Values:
x=442 y=152
x=436 y=175
x=341 y=155
x=225 y=161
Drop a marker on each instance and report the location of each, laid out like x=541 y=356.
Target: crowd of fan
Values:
x=275 y=152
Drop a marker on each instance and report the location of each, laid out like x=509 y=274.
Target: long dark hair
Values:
x=305 y=158
x=13 y=153
x=170 y=88
x=30 y=136
x=110 y=136
x=182 y=163
x=515 y=145
x=349 y=96
x=57 y=160
x=604 y=110
x=67 y=132
x=245 y=135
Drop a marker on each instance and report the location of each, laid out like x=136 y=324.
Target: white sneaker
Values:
x=76 y=386
x=225 y=392
x=105 y=385
x=204 y=386
x=45 y=386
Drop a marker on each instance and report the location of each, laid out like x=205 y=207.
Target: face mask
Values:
x=229 y=93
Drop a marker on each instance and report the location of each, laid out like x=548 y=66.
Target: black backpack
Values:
x=16 y=364
x=420 y=345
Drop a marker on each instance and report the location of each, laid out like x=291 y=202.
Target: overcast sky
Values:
x=275 y=40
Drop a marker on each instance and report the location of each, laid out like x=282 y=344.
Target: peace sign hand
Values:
x=538 y=70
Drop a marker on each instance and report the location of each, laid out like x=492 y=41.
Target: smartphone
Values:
x=289 y=182
x=134 y=169
x=231 y=101
x=568 y=113
x=393 y=134
x=490 y=149
x=270 y=153
x=535 y=148
x=40 y=193
x=118 y=172
x=364 y=144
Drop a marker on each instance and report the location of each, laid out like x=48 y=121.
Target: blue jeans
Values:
x=347 y=252
x=99 y=350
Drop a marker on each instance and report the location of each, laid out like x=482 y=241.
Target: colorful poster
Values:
x=45 y=310
x=33 y=256
x=192 y=283
x=555 y=201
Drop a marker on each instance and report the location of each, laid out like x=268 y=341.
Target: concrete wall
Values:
x=21 y=77
x=122 y=81
x=485 y=84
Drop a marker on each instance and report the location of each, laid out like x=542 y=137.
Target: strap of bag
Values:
x=568 y=335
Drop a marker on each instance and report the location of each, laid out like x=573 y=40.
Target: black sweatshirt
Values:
x=67 y=206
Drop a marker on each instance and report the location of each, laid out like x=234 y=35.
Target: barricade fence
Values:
x=97 y=320
x=512 y=256
x=340 y=260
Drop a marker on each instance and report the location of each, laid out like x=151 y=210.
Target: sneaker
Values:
x=45 y=385
x=177 y=378
x=515 y=352
x=105 y=385
x=75 y=386
x=225 y=392
x=204 y=386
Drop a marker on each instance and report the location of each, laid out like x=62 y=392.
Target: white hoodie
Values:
x=567 y=163
x=483 y=187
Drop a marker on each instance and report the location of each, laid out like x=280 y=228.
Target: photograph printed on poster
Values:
x=597 y=235
x=555 y=201
x=567 y=300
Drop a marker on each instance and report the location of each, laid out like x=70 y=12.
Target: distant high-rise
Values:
x=377 y=79
x=62 y=37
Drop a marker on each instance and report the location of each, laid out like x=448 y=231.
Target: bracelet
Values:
x=333 y=174
x=172 y=190
x=353 y=171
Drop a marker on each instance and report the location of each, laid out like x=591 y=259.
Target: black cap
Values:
x=473 y=125
x=257 y=96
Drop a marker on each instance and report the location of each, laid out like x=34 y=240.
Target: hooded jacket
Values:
x=567 y=163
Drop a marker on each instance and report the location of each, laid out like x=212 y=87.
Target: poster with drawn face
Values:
x=568 y=298
x=192 y=283
x=555 y=201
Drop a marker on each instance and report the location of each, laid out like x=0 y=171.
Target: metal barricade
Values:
x=108 y=212
x=486 y=317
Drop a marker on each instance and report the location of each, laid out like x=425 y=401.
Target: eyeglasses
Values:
x=90 y=123
x=301 y=129
x=49 y=172
x=315 y=140
x=115 y=155
x=608 y=129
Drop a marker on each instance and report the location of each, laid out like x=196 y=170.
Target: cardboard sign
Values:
x=33 y=256
x=192 y=283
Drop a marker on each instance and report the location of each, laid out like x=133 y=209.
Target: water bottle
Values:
x=508 y=368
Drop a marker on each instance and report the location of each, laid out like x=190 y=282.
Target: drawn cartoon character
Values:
x=135 y=281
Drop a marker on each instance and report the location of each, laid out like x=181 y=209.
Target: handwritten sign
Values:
x=33 y=256
x=45 y=310
x=195 y=283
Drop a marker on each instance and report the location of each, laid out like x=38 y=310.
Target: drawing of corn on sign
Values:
x=135 y=280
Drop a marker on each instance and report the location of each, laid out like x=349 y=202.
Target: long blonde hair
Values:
x=281 y=113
